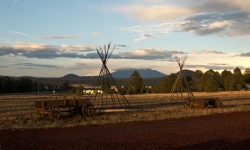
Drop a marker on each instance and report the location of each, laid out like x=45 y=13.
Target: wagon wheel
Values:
x=88 y=110
x=46 y=113
x=55 y=113
x=72 y=111
x=46 y=116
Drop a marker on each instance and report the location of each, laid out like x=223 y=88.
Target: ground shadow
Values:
x=219 y=144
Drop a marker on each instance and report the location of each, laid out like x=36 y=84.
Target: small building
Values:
x=148 y=86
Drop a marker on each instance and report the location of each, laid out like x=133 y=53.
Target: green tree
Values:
x=71 y=91
x=123 y=90
x=135 y=82
x=155 y=89
x=65 y=86
x=213 y=77
x=15 y=86
x=24 y=85
x=226 y=77
x=130 y=90
x=106 y=86
x=41 y=87
x=238 y=87
x=237 y=78
x=143 y=89
x=211 y=85
x=50 y=87
x=196 y=77
x=167 y=83
x=79 y=90
x=6 y=85
x=0 y=85
x=34 y=86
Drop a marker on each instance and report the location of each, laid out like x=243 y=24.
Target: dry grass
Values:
x=17 y=111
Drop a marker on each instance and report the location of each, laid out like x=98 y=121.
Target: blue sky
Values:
x=55 y=38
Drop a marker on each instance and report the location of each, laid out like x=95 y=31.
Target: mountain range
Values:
x=121 y=74
x=122 y=77
x=125 y=73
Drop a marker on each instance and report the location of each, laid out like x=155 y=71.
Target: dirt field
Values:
x=220 y=131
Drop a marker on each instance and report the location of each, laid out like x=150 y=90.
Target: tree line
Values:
x=209 y=81
x=25 y=85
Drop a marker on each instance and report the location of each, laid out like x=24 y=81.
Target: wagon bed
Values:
x=52 y=109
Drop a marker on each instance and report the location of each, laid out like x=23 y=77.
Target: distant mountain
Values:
x=144 y=73
x=187 y=73
x=70 y=76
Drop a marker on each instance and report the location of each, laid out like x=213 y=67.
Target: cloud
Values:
x=3 y=67
x=20 y=33
x=206 y=52
x=247 y=54
x=214 y=67
x=128 y=68
x=131 y=28
x=78 y=66
x=58 y=37
x=143 y=36
x=15 y=2
x=30 y=65
x=218 y=17
x=45 y=51
x=217 y=64
x=121 y=45
x=155 y=12
x=68 y=48
x=227 y=23
x=150 y=54
x=95 y=33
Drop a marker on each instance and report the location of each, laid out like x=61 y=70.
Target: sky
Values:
x=54 y=38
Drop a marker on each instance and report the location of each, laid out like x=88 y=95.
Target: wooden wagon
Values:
x=204 y=102
x=52 y=109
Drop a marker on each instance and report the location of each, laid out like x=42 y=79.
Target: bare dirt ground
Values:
x=220 y=131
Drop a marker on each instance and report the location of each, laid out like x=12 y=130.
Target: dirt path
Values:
x=222 y=131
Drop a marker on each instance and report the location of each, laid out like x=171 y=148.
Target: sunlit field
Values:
x=17 y=111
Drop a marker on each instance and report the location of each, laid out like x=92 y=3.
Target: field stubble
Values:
x=17 y=111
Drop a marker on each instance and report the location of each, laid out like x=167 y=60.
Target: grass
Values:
x=18 y=113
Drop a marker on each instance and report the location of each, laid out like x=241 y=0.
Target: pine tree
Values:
x=226 y=77
x=211 y=85
x=135 y=82
x=6 y=85
x=167 y=83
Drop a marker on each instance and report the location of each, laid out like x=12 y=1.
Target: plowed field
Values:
x=220 y=131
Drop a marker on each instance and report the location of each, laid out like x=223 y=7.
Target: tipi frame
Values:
x=107 y=95
x=178 y=84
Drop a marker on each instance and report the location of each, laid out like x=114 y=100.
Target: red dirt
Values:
x=221 y=131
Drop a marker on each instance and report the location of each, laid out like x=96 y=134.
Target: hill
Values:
x=186 y=73
x=144 y=73
x=70 y=76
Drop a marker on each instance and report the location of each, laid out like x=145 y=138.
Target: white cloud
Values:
x=95 y=33
x=143 y=36
x=206 y=52
x=78 y=66
x=69 y=48
x=218 y=17
x=150 y=54
x=131 y=28
x=15 y=2
x=20 y=33
x=155 y=12
x=59 y=37
x=29 y=46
